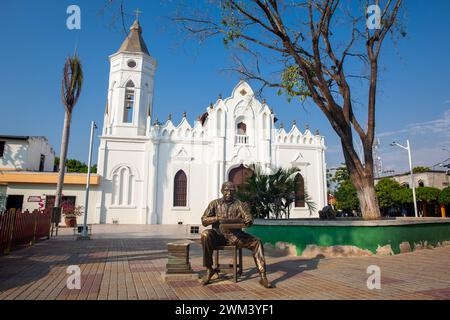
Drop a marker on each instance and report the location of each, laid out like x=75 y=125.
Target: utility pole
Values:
x=85 y=234
x=408 y=148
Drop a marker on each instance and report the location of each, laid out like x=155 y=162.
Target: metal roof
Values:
x=134 y=41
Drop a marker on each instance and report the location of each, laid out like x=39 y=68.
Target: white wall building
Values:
x=167 y=173
x=26 y=154
x=435 y=179
x=23 y=154
x=33 y=192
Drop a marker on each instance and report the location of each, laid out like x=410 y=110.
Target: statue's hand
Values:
x=210 y=220
x=248 y=223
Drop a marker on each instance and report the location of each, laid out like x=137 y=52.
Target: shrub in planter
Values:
x=71 y=213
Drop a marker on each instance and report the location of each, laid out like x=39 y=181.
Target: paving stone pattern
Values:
x=116 y=264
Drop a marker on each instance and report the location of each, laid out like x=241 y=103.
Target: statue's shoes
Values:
x=265 y=283
x=209 y=274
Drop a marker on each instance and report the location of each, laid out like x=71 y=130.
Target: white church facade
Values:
x=166 y=173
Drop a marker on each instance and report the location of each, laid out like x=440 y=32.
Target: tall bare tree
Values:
x=305 y=40
x=70 y=92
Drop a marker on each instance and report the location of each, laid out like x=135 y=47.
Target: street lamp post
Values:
x=88 y=181
x=408 y=148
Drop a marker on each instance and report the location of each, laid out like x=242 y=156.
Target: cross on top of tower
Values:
x=138 y=13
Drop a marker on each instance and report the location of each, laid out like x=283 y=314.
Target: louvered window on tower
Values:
x=129 y=104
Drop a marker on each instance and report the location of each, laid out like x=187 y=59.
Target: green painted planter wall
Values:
x=363 y=237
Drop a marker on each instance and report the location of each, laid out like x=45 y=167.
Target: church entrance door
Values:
x=239 y=175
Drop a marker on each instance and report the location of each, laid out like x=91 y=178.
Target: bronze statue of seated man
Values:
x=232 y=214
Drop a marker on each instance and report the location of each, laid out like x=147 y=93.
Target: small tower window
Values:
x=129 y=103
x=131 y=63
x=241 y=134
x=241 y=128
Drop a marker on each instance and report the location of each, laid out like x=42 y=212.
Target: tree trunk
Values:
x=362 y=179
x=425 y=208
x=368 y=201
x=62 y=160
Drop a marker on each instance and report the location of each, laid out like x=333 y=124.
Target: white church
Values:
x=166 y=173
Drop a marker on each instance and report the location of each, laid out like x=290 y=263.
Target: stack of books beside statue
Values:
x=178 y=259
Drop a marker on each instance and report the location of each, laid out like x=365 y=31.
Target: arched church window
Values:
x=299 y=191
x=242 y=128
x=115 y=189
x=180 y=189
x=265 y=126
x=122 y=179
x=122 y=187
x=421 y=183
x=129 y=103
x=219 y=121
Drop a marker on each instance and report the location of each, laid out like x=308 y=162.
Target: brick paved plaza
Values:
x=127 y=262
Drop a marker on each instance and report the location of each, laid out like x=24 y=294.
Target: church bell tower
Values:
x=130 y=94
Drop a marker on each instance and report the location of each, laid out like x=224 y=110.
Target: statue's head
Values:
x=228 y=191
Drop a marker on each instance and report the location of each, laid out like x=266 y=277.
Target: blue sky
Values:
x=413 y=99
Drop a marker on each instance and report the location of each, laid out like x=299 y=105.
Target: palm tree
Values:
x=272 y=195
x=256 y=192
x=70 y=92
x=282 y=187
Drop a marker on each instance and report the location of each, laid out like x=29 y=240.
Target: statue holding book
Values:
x=228 y=216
